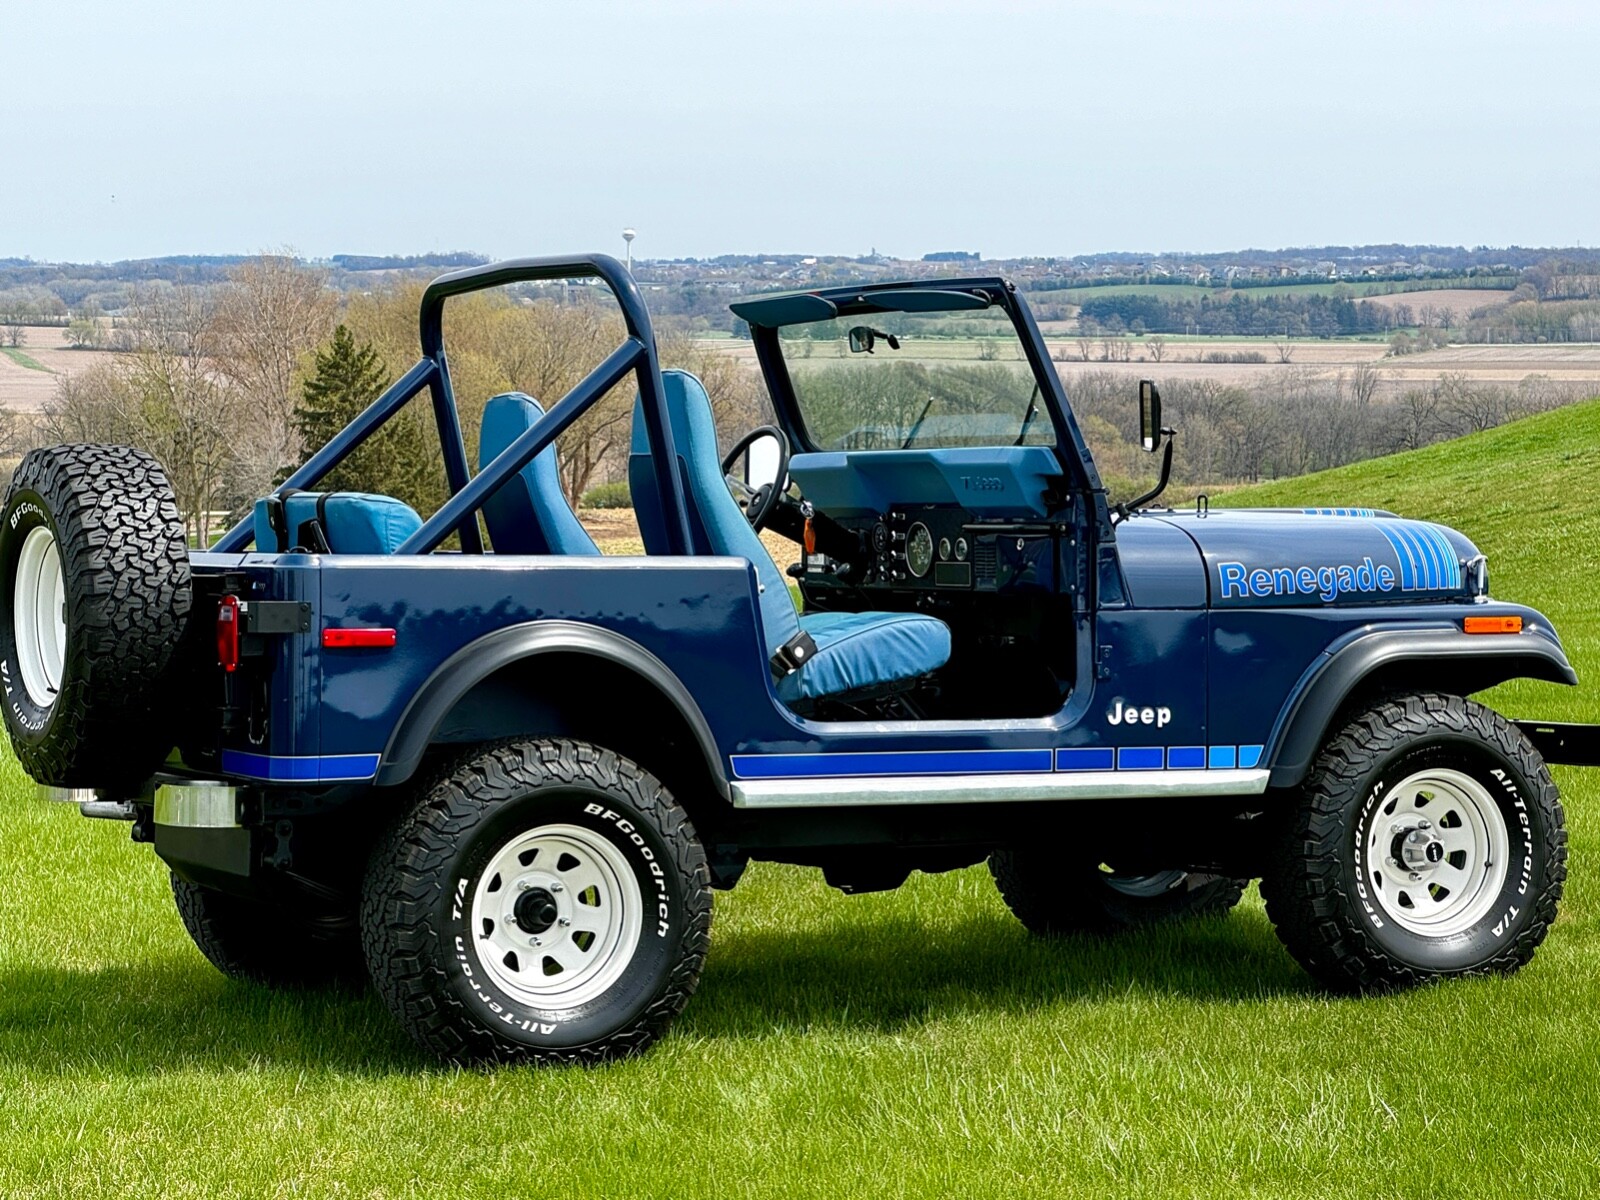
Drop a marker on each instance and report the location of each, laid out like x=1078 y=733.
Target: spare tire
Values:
x=95 y=593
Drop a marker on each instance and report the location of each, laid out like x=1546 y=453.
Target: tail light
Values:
x=228 y=633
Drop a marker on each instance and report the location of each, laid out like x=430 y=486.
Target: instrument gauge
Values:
x=944 y=549
x=919 y=550
x=961 y=549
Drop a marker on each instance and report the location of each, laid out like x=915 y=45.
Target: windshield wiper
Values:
x=1027 y=417
x=921 y=417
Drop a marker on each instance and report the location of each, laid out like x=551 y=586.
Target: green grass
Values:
x=23 y=359
x=909 y=1044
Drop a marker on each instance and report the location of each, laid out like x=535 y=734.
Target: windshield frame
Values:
x=1070 y=449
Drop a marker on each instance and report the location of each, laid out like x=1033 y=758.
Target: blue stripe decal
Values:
x=1186 y=758
x=1428 y=561
x=327 y=768
x=908 y=763
x=1408 y=567
x=1447 y=555
x=1095 y=758
x=891 y=762
x=1140 y=758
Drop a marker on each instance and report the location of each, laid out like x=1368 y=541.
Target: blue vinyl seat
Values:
x=855 y=651
x=529 y=515
x=353 y=522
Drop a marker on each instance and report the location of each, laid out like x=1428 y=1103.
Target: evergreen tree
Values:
x=399 y=460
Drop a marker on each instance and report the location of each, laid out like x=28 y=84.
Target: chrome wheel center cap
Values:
x=1419 y=849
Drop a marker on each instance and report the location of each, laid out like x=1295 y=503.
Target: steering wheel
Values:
x=758 y=503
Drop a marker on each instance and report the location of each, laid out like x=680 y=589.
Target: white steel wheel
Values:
x=1437 y=852
x=557 y=914
x=39 y=618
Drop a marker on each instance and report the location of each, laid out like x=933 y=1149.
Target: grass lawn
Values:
x=23 y=359
x=908 y=1044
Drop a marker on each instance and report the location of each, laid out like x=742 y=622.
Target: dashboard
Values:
x=944 y=520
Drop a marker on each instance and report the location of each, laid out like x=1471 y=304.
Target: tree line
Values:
x=1296 y=421
x=231 y=387
x=1234 y=314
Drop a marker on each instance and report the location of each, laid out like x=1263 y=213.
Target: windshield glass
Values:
x=896 y=381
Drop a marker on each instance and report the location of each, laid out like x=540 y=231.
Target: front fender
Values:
x=1409 y=659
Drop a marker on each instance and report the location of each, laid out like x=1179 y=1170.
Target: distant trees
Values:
x=197 y=384
x=1238 y=314
x=1293 y=421
x=400 y=459
x=83 y=330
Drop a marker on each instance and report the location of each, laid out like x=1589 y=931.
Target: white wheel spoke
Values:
x=539 y=901
x=1445 y=877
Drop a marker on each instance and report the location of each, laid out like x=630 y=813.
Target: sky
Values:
x=136 y=128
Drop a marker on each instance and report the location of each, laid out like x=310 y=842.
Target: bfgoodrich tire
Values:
x=95 y=592
x=1428 y=841
x=546 y=902
x=1053 y=901
x=270 y=944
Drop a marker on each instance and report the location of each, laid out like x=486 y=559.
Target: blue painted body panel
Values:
x=1261 y=560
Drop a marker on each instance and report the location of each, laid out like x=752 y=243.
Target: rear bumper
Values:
x=1560 y=742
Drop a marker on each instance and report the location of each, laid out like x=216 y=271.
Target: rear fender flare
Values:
x=469 y=666
x=1443 y=659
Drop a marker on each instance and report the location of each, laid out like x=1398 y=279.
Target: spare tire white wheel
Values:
x=96 y=592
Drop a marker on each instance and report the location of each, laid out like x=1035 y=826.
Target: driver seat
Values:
x=862 y=653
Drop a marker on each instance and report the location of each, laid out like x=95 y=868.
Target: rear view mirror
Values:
x=1149 y=415
x=863 y=338
x=761 y=461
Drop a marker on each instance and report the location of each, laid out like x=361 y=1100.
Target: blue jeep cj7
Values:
x=503 y=778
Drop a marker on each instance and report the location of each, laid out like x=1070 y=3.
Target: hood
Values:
x=1277 y=558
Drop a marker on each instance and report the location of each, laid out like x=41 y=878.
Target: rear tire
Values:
x=268 y=944
x=1054 y=899
x=546 y=902
x=95 y=593
x=1429 y=841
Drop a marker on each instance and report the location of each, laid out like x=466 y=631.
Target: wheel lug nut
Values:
x=523 y=886
x=565 y=921
x=556 y=887
x=1415 y=877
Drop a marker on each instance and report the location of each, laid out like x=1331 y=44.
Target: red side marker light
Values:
x=1492 y=624
x=228 y=633
x=347 y=639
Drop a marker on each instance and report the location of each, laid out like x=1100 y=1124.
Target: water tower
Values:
x=627 y=237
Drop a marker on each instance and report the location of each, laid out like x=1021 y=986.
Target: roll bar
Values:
x=636 y=354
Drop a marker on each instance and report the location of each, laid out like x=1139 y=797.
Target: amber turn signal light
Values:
x=1492 y=624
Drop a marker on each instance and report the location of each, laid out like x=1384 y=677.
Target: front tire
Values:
x=1429 y=841
x=546 y=902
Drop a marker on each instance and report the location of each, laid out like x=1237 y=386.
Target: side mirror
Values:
x=761 y=461
x=1149 y=416
x=863 y=338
